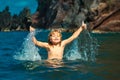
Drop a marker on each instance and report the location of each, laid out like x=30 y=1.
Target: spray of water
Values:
x=71 y=51
x=28 y=50
x=84 y=48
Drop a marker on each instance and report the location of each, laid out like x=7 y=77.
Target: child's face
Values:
x=55 y=38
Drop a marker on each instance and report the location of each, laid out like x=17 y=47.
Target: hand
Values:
x=32 y=29
x=84 y=26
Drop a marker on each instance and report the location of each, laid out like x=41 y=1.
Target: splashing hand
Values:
x=84 y=26
x=32 y=29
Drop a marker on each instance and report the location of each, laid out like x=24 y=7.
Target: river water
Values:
x=105 y=66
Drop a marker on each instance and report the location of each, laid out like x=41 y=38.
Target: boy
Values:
x=56 y=45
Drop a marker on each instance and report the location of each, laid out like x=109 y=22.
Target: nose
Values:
x=56 y=37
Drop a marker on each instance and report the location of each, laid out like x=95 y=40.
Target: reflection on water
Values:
x=109 y=55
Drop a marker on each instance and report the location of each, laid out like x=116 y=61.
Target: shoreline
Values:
x=67 y=30
x=100 y=31
x=63 y=30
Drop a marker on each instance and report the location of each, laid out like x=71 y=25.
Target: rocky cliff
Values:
x=100 y=15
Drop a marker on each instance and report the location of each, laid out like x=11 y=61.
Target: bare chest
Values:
x=56 y=50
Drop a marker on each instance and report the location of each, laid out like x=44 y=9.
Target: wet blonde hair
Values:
x=51 y=33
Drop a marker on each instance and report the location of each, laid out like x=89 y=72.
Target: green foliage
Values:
x=5 y=18
x=9 y=22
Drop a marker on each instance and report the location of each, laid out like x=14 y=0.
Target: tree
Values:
x=24 y=18
x=5 y=19
x=15 y=22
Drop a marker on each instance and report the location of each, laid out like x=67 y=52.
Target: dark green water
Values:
x=106 y=66
x=109 y=56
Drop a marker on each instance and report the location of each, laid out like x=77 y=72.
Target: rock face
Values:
x=99 y=14
x=108 y=18
x=111 y=23
x=62 y=13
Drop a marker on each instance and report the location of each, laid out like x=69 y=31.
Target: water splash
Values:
x=84 y=47
x=72 y=52
x=28 y=51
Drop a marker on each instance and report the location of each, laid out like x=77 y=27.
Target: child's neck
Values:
x=58 y=44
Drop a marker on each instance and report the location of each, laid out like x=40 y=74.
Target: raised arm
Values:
x=39 y=43
x=36 y=42
x=75 y=34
